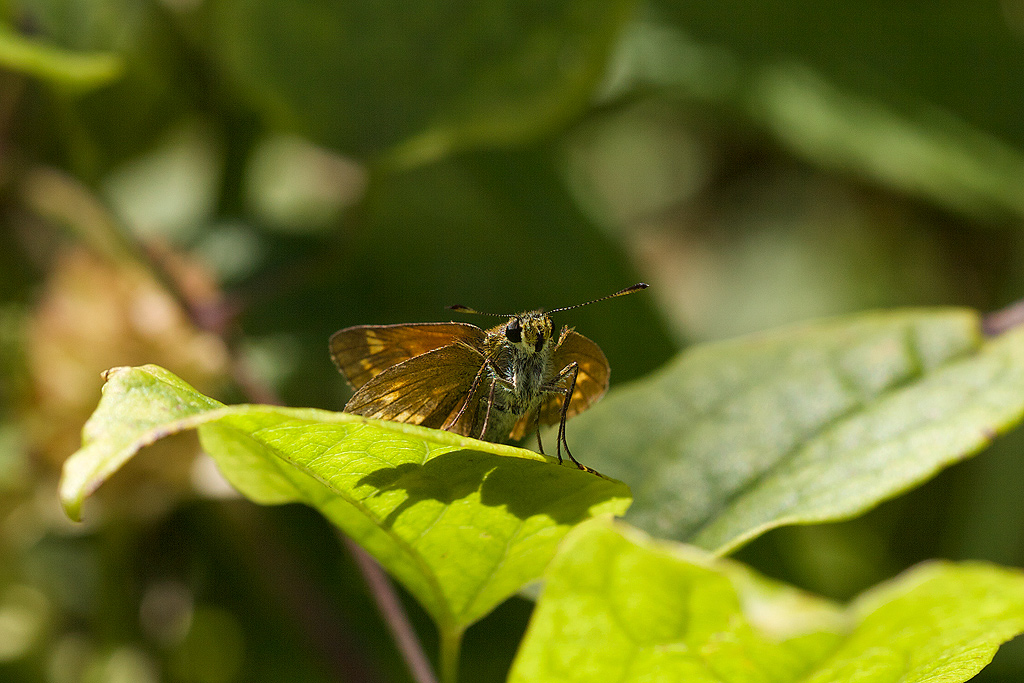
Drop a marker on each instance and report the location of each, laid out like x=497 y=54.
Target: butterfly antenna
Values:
x=622 y=292
x=466 y=309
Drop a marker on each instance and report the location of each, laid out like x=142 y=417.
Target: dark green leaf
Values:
x=417 y=79
x=809 y=424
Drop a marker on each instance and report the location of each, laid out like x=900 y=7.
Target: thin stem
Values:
x=1004 y=320
x=451 y=645
x=391 y=609
x=252 y=540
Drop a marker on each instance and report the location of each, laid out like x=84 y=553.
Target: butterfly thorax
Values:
x=520 y=351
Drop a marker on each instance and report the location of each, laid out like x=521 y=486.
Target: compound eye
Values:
x=514 y=331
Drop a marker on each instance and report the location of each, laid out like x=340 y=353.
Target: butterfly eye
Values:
x=514 y=331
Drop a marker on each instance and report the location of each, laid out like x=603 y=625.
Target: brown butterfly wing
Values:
x=591 y=382
x=423 y=390
x=364 y=351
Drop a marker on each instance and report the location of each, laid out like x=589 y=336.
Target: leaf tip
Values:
x=73 y=510
x=71 y=501
x=109 y=373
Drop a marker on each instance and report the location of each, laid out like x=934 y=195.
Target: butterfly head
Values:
x=530 y=332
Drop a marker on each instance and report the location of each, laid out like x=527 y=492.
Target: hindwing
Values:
x=425 y=390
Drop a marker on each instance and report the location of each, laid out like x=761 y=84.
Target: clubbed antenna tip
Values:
x=622 y=292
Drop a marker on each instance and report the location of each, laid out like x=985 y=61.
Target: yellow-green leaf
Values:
x=618 y=606
x=463 y=524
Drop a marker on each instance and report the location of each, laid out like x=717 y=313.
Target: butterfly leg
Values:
x=487 y=415
x=537 y=424
x=451 y=422
x=571 y=371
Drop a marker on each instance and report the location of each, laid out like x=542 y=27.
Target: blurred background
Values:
x=218 y=185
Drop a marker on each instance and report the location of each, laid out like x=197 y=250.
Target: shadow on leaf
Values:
x=524 y=487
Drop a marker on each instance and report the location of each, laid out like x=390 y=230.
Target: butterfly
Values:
x=493 y=384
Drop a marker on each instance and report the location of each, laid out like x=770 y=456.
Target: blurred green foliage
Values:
x=288 y=169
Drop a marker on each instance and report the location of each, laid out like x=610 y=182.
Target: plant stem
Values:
x=384 y=594
x=1005 y=319
x=451 y=645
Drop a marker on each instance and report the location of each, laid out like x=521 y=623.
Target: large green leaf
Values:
x=418 y=79
x=463 y=524
x=693 y=618
x=808 y=424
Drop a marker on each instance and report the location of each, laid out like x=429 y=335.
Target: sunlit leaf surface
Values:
x=693 y=618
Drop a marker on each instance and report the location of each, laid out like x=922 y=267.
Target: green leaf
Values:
x=78 y=70
x=417 y=79
x=618 y=606
x=809 y=424
x=463 y=524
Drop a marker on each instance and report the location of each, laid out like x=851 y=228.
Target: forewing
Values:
x=365 y=351
x=423 y=390
x=591 y=382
